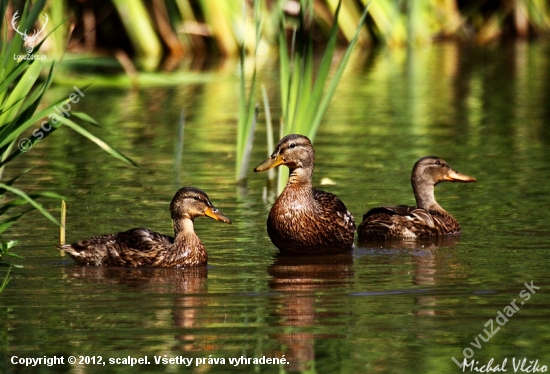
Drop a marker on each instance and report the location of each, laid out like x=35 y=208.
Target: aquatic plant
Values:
x=175 y=28
x=305 y=94
x=22 y=88
x=247 y=104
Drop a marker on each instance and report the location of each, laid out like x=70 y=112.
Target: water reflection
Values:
x=186 y=284
x=300 y=305
x=425 y=243
x=429 y=257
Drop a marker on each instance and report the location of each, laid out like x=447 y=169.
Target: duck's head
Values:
x=431 y=170
x=294 y=151
x=428 y=172
x=191 y=202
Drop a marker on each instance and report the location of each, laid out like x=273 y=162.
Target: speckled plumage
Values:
x=303 y=219
x=145 y=248
x=428 y=218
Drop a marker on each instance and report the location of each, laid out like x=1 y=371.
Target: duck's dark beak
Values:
x=270 y=163
x=455 y=176
x=216 y=214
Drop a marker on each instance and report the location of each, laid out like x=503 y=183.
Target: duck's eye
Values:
x=438 y=162
x=292 y=145
x=196 y=197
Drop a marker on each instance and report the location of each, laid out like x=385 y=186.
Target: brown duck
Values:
x=303 y=219
x=145 y=248
x=426 y=219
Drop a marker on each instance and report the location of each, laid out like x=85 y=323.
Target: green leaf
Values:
x=12 y=181
x=37 y=206
x=284 y=66
x=20 y=91
x=6 y=246
x=14 y=255
x=85 y=117
x=323 y=106
x=103 y=145
x=6 y=280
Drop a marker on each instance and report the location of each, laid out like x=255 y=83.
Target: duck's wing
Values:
x=334 y=211
x=138 y=247
x=405 y=221
x=436 y=223
x=135 y=247
x=401 y=210
x=142 y=240
x=386 y=222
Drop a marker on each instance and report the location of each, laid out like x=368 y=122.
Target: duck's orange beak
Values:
x=270 y=163
x=455 y=176
x=216 y=214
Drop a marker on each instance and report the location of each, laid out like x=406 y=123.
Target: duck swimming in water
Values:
x=145 y=248
x=426 y=219
x=305 y=220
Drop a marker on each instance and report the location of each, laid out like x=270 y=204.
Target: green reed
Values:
x=141 y=31
x=194 y=27
x=306 y=94
x=22 y=88
x=247 y=103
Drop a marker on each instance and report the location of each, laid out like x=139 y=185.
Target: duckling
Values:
x=305 y=220
x=426 y=219
x=145 y=248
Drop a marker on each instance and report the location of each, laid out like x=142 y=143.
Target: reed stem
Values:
x=62 y=224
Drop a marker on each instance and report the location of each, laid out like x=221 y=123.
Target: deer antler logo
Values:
x=29 y=40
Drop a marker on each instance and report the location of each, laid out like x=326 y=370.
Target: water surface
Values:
x=384 y=308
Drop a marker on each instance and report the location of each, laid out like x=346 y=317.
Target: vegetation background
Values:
x=158 y=34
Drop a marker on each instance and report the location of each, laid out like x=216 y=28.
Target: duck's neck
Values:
x=187 y=249
x=184 y=231
x=424 y=195
x=300 y=178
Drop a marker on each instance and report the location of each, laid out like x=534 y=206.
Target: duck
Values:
x=303 y=219
x=142 y=247
x=427 y=218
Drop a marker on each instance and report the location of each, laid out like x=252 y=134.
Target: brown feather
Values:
x=145 y=248
x=407 y=223
x=305 y=220
x=425 y=220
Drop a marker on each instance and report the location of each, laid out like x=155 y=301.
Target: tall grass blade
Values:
x=141 y=31
x=103 y=145
x=326 y=99
x=284 y=66
x=269 y=131
x=37 y=206
x=179 y=147
x=6 y=223
x=20 y=92
x=304 y=95
x=6 y=280
x=247 y=107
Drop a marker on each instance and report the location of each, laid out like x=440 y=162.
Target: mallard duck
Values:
x=303 y=219
x=428 y=218
x=143 y=247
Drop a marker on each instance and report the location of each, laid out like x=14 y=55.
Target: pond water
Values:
x=384 y=308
